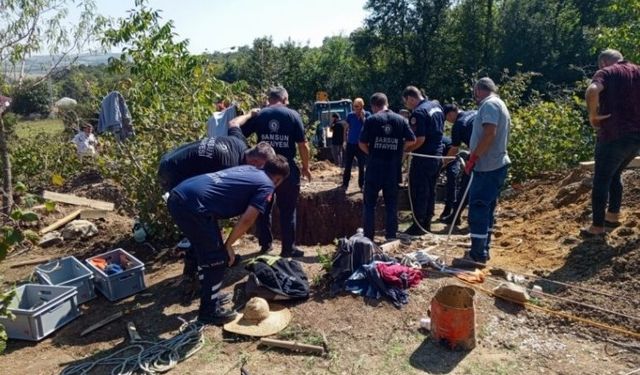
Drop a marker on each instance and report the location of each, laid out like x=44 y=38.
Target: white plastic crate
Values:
x=123 y=284
x=68 y=271
x=39 y=310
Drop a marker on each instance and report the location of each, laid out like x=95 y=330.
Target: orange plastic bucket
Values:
x=453 y=317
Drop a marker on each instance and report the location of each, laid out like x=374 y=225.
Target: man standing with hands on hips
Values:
x=489 y=163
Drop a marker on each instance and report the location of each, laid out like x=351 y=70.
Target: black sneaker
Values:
x=414 y=230
x=293 y=253
x=225 y=298
x=446 y=212
x=219 y=317
x=449 y=219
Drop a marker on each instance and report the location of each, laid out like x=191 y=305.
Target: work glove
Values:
x=468 y=167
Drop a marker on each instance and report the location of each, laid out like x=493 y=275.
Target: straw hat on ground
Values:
x=259 y=319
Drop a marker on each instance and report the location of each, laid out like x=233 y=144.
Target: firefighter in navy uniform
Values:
x=384 y=137
x=427 y=122
x=208 y=155
x=199 y=202
x=282 y=128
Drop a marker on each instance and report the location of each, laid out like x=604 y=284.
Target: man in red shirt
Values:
x=613 y=104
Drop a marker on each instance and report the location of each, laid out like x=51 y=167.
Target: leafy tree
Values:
x=30 y=26
x=620 y=29
x=170 y=93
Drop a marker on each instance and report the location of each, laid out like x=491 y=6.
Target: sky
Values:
x=219 y=25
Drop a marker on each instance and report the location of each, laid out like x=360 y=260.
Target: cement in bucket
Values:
x=453 y=318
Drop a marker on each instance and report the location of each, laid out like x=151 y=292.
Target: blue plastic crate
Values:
x=68 y=271
x=39 y=310
x=123 y=284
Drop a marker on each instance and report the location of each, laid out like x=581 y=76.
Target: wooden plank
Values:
x=60 y=222
x=101 y=323
x=78 y=201
x=589 y=165
x=93 y=214
x=30 y=262
x=292 y=345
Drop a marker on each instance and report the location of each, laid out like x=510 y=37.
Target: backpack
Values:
x=350 y=255
x=276 y=279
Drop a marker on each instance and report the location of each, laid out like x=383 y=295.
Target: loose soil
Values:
x=536 y=234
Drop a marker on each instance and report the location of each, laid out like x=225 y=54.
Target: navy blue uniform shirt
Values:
x=227 y=193
x=385 y=133
x=280 y=126
x=205 y=156
x=427 y=120
x=462 y=128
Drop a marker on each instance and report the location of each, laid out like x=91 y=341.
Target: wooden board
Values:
x=78 y=201
x=30 y=262
x=61 y=222
x=292 y=345
x=93 y=214
x=589 y=165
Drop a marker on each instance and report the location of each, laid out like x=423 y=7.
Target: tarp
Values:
x=66 y=103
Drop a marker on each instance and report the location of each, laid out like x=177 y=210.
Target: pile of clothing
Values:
x=360 y=267
x=384 y=279
x=276 y=279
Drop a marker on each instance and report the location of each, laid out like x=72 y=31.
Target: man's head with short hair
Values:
x=379 y=102
x=86 y=127
x=450 y=112
x=277 y=168
x=412 y=96
x=278 y=94
x=335 y=116
x=609 y=57
x=483 y=88
x=358 y=105
x=259 y=154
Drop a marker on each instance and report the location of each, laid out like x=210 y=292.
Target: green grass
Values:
x=28 y=129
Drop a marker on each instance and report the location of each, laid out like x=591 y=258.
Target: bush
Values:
x=547 y=134
x=31 y=99
x=170 y=94
x=36 y=159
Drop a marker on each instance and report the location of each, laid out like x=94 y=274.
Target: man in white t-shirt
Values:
x=85 y=141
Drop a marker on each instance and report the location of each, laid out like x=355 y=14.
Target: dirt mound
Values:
x=321 y=165
x=91 y=184
x=538 y=231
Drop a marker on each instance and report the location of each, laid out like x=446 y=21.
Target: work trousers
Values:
x=353 y=151
x=207 y=246
x=611 y=158
x=423 y=177
x=483 y=197
x=337 y=151
x=286 y=197
x=452 y=172
x=381 y=175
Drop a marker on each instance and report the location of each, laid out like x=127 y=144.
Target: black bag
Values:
x=281 y=279
x=350 y=255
